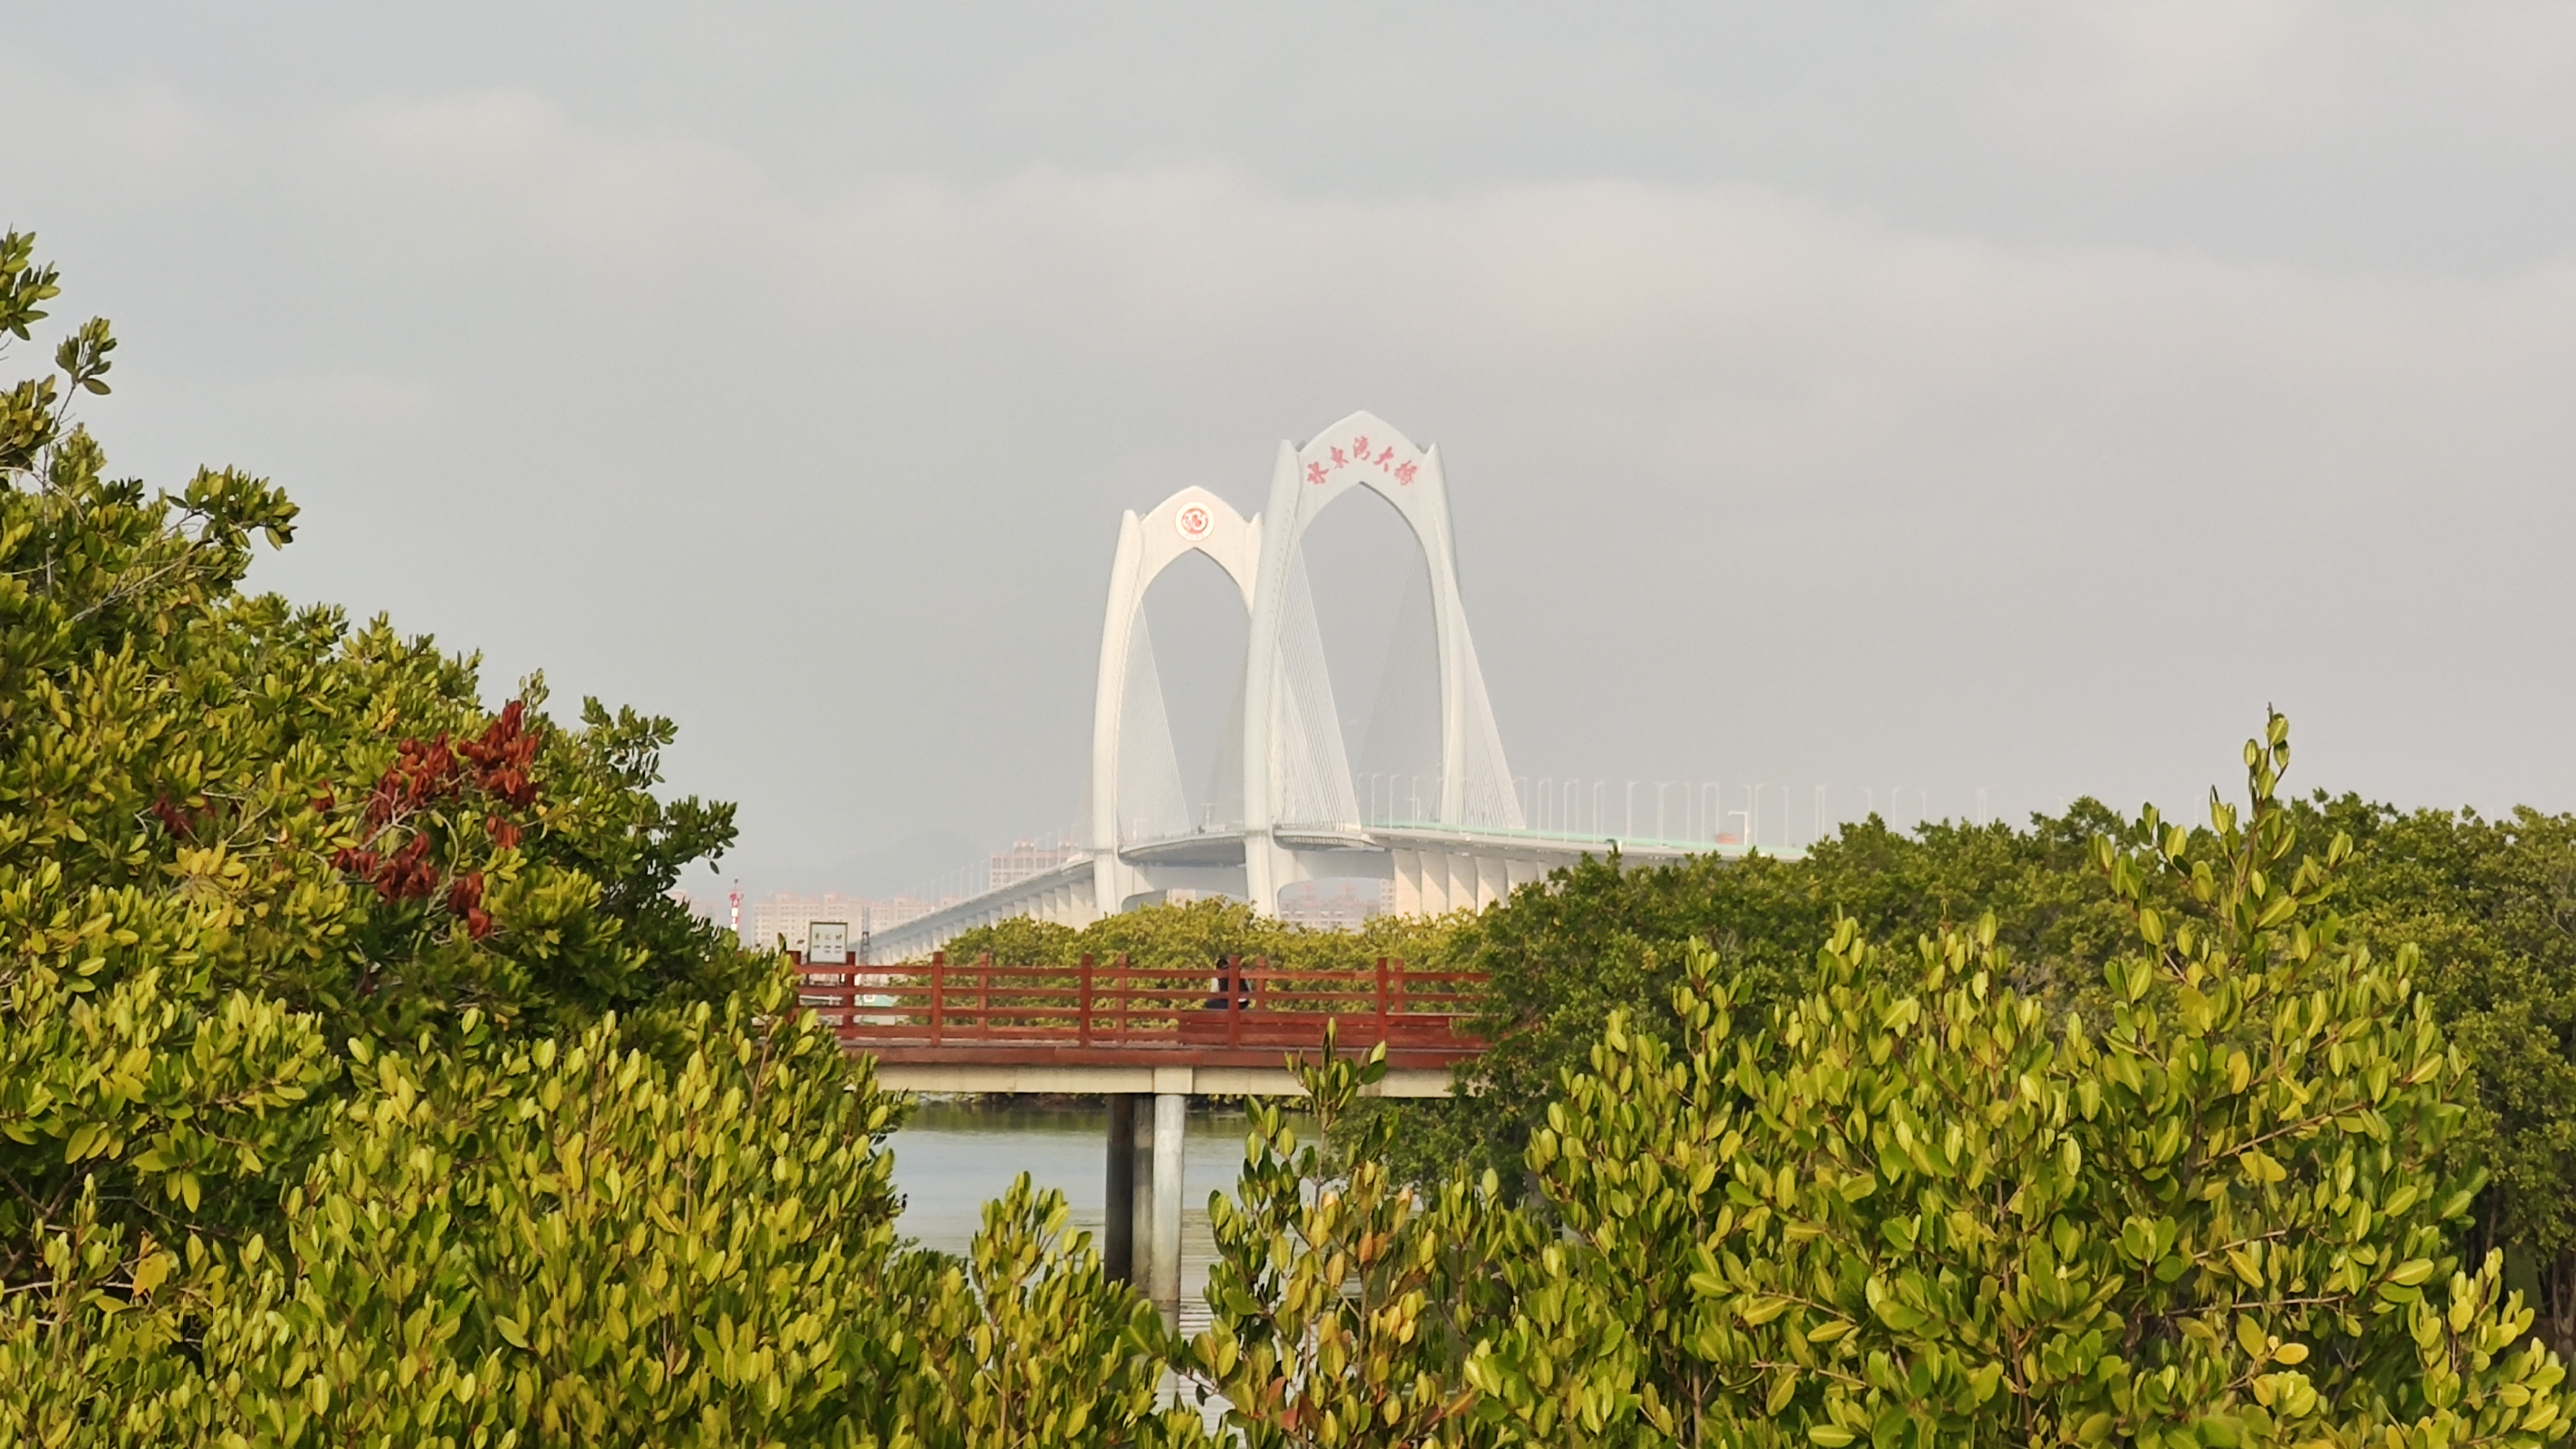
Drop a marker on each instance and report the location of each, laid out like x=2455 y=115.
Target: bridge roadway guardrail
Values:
x=1114 y=1014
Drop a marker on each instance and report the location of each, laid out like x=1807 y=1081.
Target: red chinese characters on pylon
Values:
x=1357 y=453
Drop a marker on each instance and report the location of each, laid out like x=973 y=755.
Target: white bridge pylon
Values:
x=1293 y=815
x=1295 y=800
x=1192 y=520
x=1360 y=451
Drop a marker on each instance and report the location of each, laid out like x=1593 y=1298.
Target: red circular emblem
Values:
x=1195 y=523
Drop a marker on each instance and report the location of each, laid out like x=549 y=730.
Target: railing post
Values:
x=1126 y=990
x=938 y=984
x=984 y=994
x=1381 y=999
x=1082 y=1022
x=1233 y=984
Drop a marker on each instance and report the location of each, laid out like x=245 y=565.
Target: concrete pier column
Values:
x=1171 y=1116
x=1140 y=1218
x=1118 y=1226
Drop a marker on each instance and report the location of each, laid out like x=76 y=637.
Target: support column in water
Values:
x=1171 y=1116
x=1118 y=1228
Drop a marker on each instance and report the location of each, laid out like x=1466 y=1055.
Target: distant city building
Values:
x=1027 y=858
x=703 y=909
x=793 y=917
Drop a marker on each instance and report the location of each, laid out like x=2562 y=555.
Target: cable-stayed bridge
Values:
x=1286 y=806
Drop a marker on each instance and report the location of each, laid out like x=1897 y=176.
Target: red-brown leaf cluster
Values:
x=465 y=898
x=502 y=758
x=178 y=822
x=189 y=822
x=406 y=875
x=496 y=767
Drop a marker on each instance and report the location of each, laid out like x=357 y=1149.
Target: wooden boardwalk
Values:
x=1237 y=1014
x=1143 y=1040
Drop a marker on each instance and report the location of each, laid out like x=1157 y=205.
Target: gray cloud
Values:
x=2013 y=397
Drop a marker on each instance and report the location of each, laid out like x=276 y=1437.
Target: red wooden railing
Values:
x=942 y=1010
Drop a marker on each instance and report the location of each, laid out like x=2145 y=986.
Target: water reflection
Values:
x=956 y=1154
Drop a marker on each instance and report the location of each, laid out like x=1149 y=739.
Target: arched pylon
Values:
x=1192 y=520
x=1360 y=451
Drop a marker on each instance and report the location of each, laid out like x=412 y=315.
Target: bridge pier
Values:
x=1118 y=1226
x=1171 y=1120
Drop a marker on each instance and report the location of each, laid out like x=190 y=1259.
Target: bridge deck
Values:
x=1238 y=1015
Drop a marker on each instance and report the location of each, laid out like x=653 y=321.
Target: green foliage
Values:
x=361 y=1083
x=1341 y=1303
x=179 y=1109
x=2495 y=902
x=1021 y=941
x=637 y=1251
x=233 y=833
x=576 y=1244
x=1026 y=1343
x=1187 y=937
x=1947 y=1218
x=1561 y=956
x=1920 y=1204
x=582 y=1245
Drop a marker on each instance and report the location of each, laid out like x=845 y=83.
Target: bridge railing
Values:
x=1238 y=1005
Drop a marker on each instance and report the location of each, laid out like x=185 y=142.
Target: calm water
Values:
x=954 y=1156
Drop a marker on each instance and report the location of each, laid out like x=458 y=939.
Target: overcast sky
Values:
x=2014 y=396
